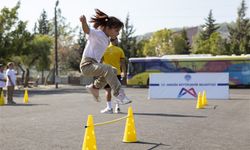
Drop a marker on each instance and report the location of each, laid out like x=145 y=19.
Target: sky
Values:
x=145 y=15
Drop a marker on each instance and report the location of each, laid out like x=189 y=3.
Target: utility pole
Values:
x=56 y=53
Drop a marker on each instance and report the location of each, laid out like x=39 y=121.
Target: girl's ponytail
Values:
x=102 y=19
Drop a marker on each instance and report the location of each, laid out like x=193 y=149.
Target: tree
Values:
x=139 y=47
x=161 y=43
x=8 y=25
x=215 y=45
x=181 y=42
x=127 y=41
x=210 y=27
x=203 y=41
x=239 y=34
x=74 y=56
x=44 y=44
x=43 y=24
x=186 y=43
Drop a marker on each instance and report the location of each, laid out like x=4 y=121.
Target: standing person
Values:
x=11 y=82
x=115 y=57
x=105 y=27
x=2 y=79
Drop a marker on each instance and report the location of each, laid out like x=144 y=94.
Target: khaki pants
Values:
x=10 y=91
x=106 y=74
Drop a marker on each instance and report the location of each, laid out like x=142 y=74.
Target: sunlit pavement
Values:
x=54 y=119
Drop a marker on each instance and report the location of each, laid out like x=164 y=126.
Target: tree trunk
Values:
x=26 y=79
x=51 y=72
x=23 y=72
x=43 y=77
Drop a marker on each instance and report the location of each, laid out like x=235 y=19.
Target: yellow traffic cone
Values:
x=204 y=98
x=26 y=97
x=89 y=142
x=2 y=101
x=199 y=101
x=130 y=132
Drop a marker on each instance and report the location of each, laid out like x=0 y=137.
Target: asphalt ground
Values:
x=54 y=119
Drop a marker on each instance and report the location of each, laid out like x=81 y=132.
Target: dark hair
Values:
x=102 y=19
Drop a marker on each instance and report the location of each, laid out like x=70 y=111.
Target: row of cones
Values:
x=89 y=142
x=201 y=100
x=25 y=98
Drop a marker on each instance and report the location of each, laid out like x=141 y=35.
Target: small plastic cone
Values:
x=199 y=101
x=204 y=98
x=26 y=97
x=89 y=142
x=1 y=99
x=130 y=132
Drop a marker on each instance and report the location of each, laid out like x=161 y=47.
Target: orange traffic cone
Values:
x=199 y=101
x=130 y=132
x=89 y=142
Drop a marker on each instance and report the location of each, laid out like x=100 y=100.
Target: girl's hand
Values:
x=85 y=26
x=83 y=19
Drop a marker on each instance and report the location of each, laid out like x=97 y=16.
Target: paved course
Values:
x=54 y=120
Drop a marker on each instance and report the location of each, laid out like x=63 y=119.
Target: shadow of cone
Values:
x=199 y=101
x=89 y=142
x=2 y=99
x=130 y=132
x=26 y=97
x=204 y=98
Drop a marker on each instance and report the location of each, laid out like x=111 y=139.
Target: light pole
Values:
x=56 y=55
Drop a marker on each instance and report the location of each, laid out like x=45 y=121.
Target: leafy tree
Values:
x=217 y=45
x=75 y=54
x=187 y=43
x=139 y=48
x=66 y=45
x=8 y=25
x=179 y=44
x=200 y=46
x=210 y=27
x=240 y=32
x=38 y=55
x=161 y=43
x=44 y=44
x=203 y=41
x=127 y=41
x=214 y=45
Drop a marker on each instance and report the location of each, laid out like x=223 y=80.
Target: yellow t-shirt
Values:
x=113 y=56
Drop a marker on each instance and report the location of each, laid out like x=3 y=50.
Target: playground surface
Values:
x=54 y=119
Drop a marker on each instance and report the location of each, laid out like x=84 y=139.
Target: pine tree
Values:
x=210 y=27
x=187 y=43
x=240 y=32
x=43 y=23
x=127 y=41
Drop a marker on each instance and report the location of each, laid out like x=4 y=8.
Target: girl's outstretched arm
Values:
x=85 y=26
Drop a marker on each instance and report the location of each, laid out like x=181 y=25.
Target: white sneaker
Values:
x=107 y=111
x=122 y=98
x=117 y=109
x=94 y=92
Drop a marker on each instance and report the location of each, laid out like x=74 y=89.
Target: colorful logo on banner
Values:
x=185 y=91
x=187 y=77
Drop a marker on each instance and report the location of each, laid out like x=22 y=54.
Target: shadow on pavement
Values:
x=19 y=93
x=165 y=115
x=156 y=145
x=24 y=104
